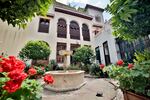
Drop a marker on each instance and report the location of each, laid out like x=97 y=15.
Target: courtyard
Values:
x=74 y=50
x=87 y=92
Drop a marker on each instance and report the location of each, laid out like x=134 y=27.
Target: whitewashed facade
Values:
x=13 y=39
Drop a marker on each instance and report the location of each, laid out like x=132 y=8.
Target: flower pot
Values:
x=132 y=96
x=40 y=62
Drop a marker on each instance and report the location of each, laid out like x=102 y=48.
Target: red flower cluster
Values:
x=48 y=79
x=32 y=71
x=43 y=68
x=102 y=66
x=14 y=68
x=120 y=62
x=130 y=66
x=11 y=63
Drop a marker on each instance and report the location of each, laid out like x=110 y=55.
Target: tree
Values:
x=19 y=12
x=130 y=18
x=83 y=55
x=35 y=50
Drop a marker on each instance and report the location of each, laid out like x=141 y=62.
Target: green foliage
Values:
x=83 y=55
x=52 y=65
x=35 y=50
x=39 y=69
x=130 y=18
x=30 y=90
x=73 y=67
x=84 y=67
x=19 y=12
x=135 y=80
x=96 y=71
x=142 y=56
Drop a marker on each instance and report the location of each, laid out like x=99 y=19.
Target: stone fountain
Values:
x=66 y=80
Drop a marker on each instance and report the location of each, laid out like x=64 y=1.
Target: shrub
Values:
x=142 y=56
x=84 y=67
x=52 y=65
x=84 y=55
x=97 y=71
x=73 y=67
x=35 y=50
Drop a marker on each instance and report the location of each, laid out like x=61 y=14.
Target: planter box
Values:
x=132 y=96
x=40 y=62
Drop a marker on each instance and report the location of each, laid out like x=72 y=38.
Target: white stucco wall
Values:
x=94 y=13
x=102 y=37
x=13 y=39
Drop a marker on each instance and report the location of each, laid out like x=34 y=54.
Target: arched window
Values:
x=44 y=25
x=74 y=30
x=61 y=28
x=85 y=32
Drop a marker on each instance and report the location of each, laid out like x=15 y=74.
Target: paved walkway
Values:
x=87 y=92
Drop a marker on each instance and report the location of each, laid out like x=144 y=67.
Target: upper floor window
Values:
x=98 y=18
x=61 y=28
x=74 y=30
x=85 y=32
x=44 y=25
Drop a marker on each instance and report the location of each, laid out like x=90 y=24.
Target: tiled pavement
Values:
x=87 y=92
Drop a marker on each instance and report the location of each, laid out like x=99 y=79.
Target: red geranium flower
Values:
x=48 y=79
x=1 y=56
x=11 y=63
x=102 y=66
x=130 y=66
x=11 y=86
x=32 y=71
x=17 y=76
x=43 y=68
x=120 y=62
x=1 y=69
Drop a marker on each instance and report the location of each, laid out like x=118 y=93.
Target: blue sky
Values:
x=82 y=3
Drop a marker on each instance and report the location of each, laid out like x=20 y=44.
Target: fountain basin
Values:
x=66 y=80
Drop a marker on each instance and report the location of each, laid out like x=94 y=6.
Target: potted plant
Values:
x=37 y=51
x=134 y=80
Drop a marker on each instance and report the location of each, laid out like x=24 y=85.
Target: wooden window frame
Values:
x=43 y=28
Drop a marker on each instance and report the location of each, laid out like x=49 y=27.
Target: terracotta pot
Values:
x=132 y=96
x=40 y=62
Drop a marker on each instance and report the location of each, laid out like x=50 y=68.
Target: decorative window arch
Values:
x=74 y=30
x=44 y=25
x=85 y=32
x=61 y=28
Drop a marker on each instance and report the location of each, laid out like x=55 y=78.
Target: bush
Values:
x=142 y=56
x=59 y=68
x=83 y=55
x=73 y=67
x=96 y=71
x=86 y=68
x=52 y=65
x=35 y=50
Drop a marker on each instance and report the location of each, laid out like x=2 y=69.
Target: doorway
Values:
x=106 y=53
